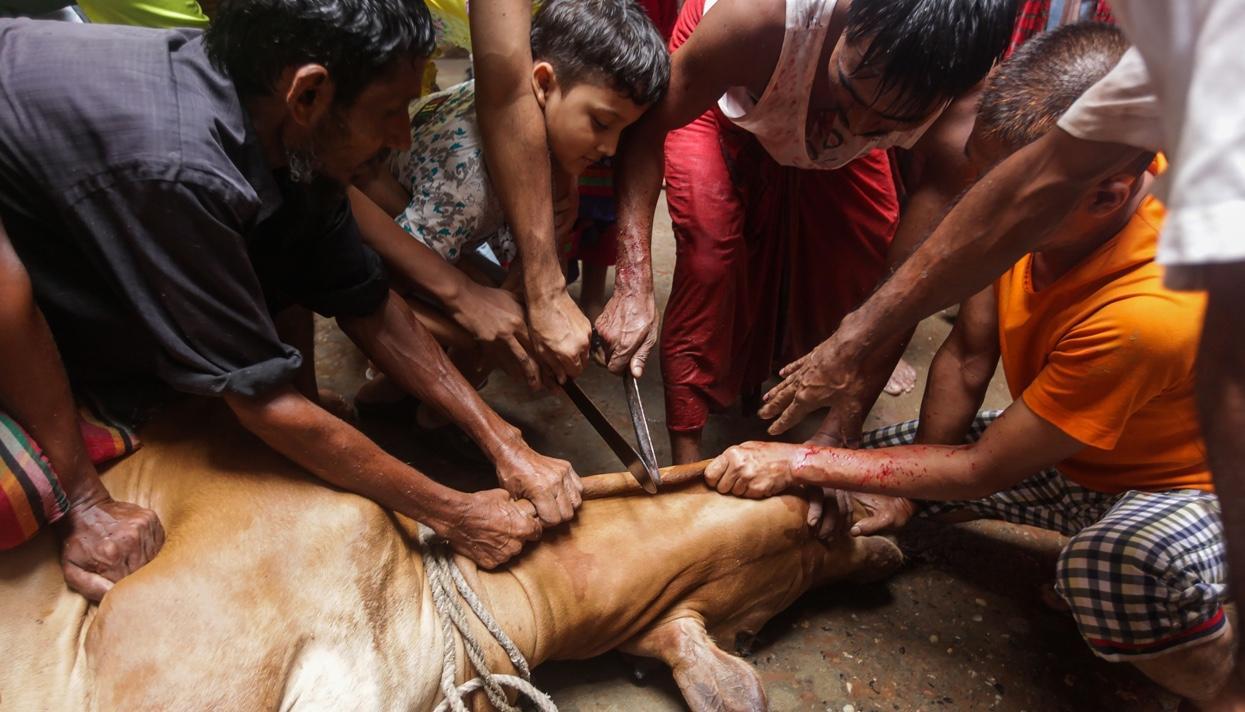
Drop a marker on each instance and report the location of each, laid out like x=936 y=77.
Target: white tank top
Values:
x=780 y=118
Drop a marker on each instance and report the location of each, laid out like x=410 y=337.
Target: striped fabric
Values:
x=31 y=496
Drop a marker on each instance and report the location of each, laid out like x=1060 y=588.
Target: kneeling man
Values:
x=1099 y=358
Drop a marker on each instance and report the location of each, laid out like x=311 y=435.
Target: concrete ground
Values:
x=961 y=627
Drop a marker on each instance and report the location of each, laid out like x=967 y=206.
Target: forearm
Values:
x=930 y=472
x=1005 y=215
x=411 y=261
x=404 y=350
x=513 y=131
x=639 y=175
x=337 y=453
x=34 y=389
x=953 y=394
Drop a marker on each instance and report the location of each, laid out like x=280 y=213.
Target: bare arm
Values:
x=104 y=540
x=491 y=316
x=940 y=172
x=701 y=71
x=1018 y=445
x=513 y=129
x=395 y=340
x=1005 y=214
x=961 y=372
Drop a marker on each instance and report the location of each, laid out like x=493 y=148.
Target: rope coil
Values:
x=446 y=580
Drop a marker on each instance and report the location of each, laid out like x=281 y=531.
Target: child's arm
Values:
x=385 y=190
x=960 y=372
x=1018 y=445
x=491 y=316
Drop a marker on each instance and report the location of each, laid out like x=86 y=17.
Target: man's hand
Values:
x=830 y=513
x=549 y=483
x=492 y=528
x=754 y=469
x=823 y=377
x=106 y=541
x=628 y=326
x=495 y=318
x=559 y=333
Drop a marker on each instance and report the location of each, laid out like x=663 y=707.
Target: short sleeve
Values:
x=316 y=257
x=1120 y=108
x=1112 y=364
x=172 y=251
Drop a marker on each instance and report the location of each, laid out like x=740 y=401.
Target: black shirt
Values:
x=158 y=240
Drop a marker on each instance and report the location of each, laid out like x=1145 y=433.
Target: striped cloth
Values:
x=31 y=496
x=1144 y=573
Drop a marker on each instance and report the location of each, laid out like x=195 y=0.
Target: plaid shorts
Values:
x=1144 y=572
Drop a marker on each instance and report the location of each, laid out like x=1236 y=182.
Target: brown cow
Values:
x=276 y=592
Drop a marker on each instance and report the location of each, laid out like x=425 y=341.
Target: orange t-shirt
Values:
x=1105 y=353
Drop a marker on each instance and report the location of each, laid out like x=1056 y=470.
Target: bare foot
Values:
x=902 y=380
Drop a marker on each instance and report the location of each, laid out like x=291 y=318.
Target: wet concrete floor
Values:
x=961 y=627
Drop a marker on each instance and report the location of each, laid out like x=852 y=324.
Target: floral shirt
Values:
x=453 y=208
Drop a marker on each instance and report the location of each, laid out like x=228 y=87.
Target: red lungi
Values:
x=769 y=258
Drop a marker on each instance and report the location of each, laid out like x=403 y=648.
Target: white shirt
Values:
x=1180 y=91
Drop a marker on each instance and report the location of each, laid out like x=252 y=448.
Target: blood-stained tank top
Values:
x=780 y=118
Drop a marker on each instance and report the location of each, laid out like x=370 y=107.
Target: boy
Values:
x=1099 y=357
x=598 y=65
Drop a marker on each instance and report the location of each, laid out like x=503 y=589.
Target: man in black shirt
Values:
x=168 y=191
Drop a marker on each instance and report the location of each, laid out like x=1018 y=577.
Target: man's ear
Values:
x=1111 y=194
x=544 y=82
x=309 y=93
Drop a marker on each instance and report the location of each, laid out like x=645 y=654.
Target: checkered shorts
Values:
x=1144 y=572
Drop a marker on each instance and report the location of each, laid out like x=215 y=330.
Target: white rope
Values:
x=445 y=580
x=542 y=701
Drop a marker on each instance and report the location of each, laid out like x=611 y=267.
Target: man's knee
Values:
x=1147 y=580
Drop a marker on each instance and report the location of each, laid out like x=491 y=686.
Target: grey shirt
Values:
x=158 y=239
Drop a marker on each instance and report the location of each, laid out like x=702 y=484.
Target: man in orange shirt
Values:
x=1099 y=357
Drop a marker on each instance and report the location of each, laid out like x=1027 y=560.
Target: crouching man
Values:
x=1099 y=358
x=169 y=192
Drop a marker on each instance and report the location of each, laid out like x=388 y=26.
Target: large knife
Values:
x=614 y=439
x=639 y=422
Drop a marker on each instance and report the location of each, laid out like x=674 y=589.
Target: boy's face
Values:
x=584 y=122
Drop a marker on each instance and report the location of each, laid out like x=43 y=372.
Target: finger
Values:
x=565 y=509
x=640 y=358
x=741 y=487
x=777 y=399
x=826 y=528
x=715 y=470
x=792 y=367
x=844 y=520
x=574 y=492
x=790 y=418
x=546 y=510
x=816 y=506
x=530 y=372
x=92 y=586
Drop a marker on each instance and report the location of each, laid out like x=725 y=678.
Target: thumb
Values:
x=870 y=525
x=91 y=585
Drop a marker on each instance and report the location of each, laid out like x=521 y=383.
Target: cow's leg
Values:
x=711 y=680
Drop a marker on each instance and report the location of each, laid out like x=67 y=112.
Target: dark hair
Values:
x=254 y=41
x=610 y=40
x=1033 y=88
x=930 y=50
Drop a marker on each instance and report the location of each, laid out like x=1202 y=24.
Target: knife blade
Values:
x=639 y=421
x=614 y=439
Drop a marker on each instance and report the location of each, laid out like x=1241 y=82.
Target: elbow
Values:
x=266 y=414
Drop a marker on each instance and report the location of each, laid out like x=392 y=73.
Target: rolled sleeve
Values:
x=171 y=249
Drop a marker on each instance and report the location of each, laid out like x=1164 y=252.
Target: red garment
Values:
x=768 y=258
x=663 y=13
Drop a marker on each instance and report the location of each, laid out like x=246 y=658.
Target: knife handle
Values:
x=623 y=483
